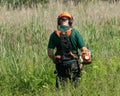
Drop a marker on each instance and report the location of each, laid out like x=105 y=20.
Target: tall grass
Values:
x=26 y=70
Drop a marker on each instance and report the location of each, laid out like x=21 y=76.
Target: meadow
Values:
x=26 y=70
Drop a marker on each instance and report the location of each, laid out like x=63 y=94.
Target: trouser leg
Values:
x=62 y=75
x=71 y=71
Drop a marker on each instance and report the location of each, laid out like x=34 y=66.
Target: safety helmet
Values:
x=63 y=16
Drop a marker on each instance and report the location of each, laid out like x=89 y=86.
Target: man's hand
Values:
x=86 y=55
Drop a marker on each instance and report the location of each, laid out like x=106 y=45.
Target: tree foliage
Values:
x=22 y=3
x=33 y=3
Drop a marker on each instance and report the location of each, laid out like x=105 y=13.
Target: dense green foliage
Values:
x=26 y=70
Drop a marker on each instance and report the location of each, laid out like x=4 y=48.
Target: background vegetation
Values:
x=34 y=3
x=26 y=70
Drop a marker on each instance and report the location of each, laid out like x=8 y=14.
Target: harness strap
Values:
x=58 y=32
x=73 y=55
x=68 y=32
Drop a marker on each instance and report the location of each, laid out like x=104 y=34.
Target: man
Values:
x=67 y=42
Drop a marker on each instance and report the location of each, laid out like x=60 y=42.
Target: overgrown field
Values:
x=26 y=70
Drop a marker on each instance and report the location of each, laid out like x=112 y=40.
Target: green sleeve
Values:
x=51 y=42
x=80 y=41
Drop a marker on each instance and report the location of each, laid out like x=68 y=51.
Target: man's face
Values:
x=65 y=21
